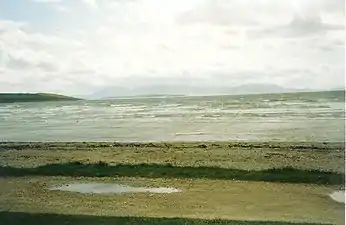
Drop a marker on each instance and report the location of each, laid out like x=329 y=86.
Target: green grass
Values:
x=30 y=97
x=102 y=169
x=18 y=218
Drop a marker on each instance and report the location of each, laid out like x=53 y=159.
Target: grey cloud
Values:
x=334 y=5
x=231 y=31
x=324 y=44
x=298 y=27
x=48 y=78
x=216 y=12
x=295 y=71
x=228 y=47
x=47 y=66
x=51 y=78
x=326 y=48
x=164 y=47
x=82 y=71
x=18 y=63
x=245 y=75
x=9 y=86
x=249 y=13
x=339 y=43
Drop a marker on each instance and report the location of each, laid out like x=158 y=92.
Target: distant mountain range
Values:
x=152 y=90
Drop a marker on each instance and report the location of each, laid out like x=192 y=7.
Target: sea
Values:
x=290 y=117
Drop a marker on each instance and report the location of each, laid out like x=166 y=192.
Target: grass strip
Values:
x=102 y=169
x=19 y=218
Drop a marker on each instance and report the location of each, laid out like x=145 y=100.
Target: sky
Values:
x=77 y=47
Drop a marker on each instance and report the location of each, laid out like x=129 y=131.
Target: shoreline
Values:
x=179 y=144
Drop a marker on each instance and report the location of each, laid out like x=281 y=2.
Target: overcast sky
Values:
x=79 y=46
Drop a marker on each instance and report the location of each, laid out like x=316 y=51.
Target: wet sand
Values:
x=110 y=188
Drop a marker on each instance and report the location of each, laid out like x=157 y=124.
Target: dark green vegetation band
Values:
x=27 y=97
x=18 y=218
x=102 y=169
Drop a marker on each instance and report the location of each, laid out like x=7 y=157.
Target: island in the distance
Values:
x=33 y=97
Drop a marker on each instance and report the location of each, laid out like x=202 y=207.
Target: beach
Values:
x=218 y=182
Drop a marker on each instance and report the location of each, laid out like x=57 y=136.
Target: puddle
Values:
x=109 y=188
x=338 y=196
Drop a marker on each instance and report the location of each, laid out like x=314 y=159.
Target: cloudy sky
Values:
x=80 y=46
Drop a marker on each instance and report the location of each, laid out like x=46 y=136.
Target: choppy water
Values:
x=271 y=117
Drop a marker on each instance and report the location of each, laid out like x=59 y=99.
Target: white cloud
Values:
x=47 y=1
x=91 y=3
x=217 y=42
x=58 y=5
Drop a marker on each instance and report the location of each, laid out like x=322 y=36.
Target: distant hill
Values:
x=30 y=97
x=263 y=89
x=166 y=89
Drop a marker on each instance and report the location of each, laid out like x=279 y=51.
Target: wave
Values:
x=192 y=133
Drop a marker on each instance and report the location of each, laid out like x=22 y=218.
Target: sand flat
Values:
x=205 y=199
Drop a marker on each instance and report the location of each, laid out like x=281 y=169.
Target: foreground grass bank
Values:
x=18 y=218
x=102 y=169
